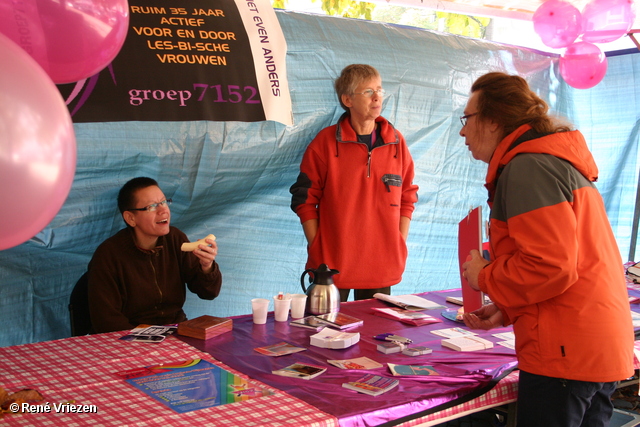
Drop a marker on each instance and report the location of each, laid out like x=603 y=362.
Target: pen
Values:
x=398 y=339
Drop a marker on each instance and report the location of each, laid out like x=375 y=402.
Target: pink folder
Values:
x=470 y=237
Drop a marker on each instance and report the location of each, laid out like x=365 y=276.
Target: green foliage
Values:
x=464 y=25
x=348 y=8
x=453 y=23
x=414 y=17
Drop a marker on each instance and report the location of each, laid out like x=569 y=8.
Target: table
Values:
x=415 y=398
x=81 y=370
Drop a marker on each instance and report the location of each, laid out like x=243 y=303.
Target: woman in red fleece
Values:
x=355 y=193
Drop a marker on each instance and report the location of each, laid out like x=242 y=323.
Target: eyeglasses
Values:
x=153 y=206
x=464 y=119
x=369 y=92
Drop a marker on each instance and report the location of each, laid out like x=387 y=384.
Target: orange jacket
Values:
x=556 y=271
x=358 y=197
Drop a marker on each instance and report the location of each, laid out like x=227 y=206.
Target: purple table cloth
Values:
x=462 y=375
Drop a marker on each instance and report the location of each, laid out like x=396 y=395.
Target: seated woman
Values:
x=138 y=275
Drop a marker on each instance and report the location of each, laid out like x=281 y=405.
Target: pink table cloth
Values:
x=81 y=371
x=462 y=376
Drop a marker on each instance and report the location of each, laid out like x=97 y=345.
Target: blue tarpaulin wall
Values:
x=232 y=179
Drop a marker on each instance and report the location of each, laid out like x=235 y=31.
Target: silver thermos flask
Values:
x=322 y=295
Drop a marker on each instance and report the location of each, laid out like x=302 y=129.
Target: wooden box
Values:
x=205 y=327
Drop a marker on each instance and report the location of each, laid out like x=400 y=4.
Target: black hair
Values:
x=126 y=196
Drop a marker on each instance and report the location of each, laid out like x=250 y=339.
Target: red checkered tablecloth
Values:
x=81 y=370
x=505 y=392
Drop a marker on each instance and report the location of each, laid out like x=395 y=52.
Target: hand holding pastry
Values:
x=206 y=252
x=192 y=246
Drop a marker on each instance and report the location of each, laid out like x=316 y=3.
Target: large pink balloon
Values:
x=583 y=65
x=607 y=20
x=558 y=23
x=70 y=39
x=37 y=146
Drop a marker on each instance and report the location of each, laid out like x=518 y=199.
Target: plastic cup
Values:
x=281 y=304
x=259 y=308
x=298 y=303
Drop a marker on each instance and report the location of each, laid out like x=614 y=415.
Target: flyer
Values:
x=191 y=385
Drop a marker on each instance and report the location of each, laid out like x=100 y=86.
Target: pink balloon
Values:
x=558 y=23
x=583 y=65
x=607 y=20
x=71 y=39
x=37 y=147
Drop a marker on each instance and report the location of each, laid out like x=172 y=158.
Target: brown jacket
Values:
x=129 y=286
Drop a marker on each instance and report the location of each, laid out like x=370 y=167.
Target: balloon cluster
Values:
x=561 y=25
x=44 y=43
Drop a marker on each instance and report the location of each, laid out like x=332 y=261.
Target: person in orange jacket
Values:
x=556 y=272
x=355 y=193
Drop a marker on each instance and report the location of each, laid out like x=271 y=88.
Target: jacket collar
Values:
x=346 y=133
x=569 y=146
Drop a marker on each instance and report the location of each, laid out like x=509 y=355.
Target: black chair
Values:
x=79 y=308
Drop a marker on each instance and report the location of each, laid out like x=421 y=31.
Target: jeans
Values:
x=556 y=402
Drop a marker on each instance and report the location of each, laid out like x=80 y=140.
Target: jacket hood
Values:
x=569 y=146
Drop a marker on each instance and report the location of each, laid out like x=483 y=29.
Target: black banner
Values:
x=188 y=60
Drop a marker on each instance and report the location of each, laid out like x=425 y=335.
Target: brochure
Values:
x=508 y=344
x=452 y=332
x=191 y=385
x=279 y=349
x=372 y=384
x=300 y=370
x=146 y=333
x=409 y=317
x=356 y=363
x=409 y=302
x=417 y=351
x=309 y=322
x=330 y=338
x=339 y=320
x=509 y=339
x=412 y=369
x=467 y=343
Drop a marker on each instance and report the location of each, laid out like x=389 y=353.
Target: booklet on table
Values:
x=192 y=384
x=373 y=385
